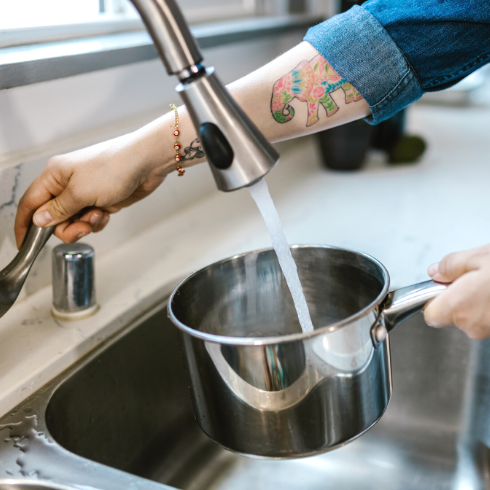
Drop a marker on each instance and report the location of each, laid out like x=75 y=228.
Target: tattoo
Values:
x=313 y=82
x=193 y=151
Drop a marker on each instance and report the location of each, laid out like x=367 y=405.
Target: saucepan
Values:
x=260 y=386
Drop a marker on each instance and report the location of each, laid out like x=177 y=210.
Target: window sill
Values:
x=25 y=65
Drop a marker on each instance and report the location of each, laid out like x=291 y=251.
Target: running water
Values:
x=261 y=196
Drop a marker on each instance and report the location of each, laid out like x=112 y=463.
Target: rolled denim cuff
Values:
x=364 y=54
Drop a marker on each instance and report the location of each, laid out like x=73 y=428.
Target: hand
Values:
x=88 y=185
x=466 y=302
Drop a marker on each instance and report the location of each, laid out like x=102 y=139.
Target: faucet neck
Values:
x=173 y=40
x=237 y=152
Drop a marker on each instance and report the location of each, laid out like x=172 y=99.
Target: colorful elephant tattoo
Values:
x=313 y=82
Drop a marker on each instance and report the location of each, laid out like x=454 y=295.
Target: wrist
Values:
x=155 y=145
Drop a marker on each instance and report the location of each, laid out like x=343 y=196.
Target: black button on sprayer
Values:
x=218 y=151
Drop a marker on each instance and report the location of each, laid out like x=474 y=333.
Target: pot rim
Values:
x=224 y=339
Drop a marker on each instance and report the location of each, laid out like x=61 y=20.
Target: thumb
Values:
x=57 y=210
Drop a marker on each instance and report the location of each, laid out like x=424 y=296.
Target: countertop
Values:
x=406 y=216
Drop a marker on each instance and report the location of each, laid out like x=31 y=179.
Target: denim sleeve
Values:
x=392 y=52
x=444 y=41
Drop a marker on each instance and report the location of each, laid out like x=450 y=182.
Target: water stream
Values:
x=261 y=196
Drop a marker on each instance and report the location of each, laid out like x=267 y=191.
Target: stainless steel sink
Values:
x=122 y=418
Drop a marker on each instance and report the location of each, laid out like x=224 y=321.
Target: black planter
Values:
x=344 y=147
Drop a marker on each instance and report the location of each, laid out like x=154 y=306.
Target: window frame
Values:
x=115 y=18
x=67 y=32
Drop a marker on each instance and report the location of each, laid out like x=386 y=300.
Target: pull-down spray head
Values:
x=237 y=152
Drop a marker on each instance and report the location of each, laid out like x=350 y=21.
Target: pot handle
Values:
x=402 y=304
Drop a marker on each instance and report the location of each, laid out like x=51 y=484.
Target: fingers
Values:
x=464 y=304
x=455 y=265
x=103 y=223
x=58 y=209
x=71 y=232
x=22 y=221
x=38 y=204
x=38 y=193
x=91 y=221
x=92 y=216
x=97 y=218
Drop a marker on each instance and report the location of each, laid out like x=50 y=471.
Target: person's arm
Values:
x=296 y=94
x=391 y=53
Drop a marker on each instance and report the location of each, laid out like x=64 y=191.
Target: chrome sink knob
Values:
x=73 y=281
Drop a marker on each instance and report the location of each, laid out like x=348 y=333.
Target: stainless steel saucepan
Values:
x=263 y=388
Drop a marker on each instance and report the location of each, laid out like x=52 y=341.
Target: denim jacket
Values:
x=392 y=51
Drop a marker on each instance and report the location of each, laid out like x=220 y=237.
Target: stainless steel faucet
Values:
x=237 y=152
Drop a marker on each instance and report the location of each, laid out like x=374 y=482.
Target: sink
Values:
x=123 y=418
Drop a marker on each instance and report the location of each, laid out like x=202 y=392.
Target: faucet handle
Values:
x=13 y=277
x=73 y=281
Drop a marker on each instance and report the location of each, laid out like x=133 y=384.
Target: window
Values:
x=27 y=22
x=15 y=14
x=33 y=13
x=38 y=21
x=211 y=10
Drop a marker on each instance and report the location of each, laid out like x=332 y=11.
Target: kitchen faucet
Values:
x=237 y=152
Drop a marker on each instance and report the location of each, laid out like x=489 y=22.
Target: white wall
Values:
x=44 y=119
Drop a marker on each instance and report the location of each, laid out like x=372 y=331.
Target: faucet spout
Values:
x=237 y=152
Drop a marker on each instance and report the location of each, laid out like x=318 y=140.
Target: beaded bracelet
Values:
x=177 y=146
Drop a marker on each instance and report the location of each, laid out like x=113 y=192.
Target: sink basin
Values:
x=123 y=418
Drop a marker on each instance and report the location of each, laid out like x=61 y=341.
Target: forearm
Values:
x=296 y=94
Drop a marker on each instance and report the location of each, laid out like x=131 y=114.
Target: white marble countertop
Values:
x=406 y=216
